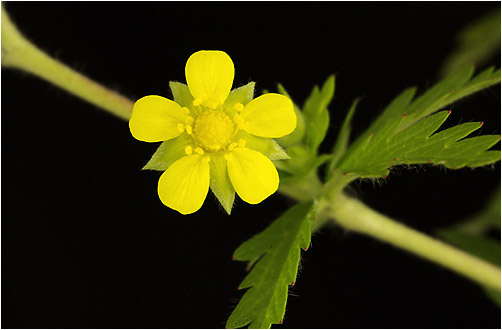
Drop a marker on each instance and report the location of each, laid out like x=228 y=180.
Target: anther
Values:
x=242 y=143
x=181 y=127
x=188 y=150
x=232 y=146
x=189 y=129
x=239 y=107
x=197 y=102
x=186 y=110
x=199 y=151
x=189 y=120
x=212 y=105
x=226 y=156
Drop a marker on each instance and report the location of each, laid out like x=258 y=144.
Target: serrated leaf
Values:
x=278 y=248
x=401 y=135
x=415 y=145
x=168 y=152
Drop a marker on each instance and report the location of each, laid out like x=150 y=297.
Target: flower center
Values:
x=213 y=130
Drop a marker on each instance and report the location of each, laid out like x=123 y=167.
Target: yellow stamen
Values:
x=189 y=129
x=239 y=107
x=232 y=146
x=181 y=128
x=188 y=150
x=242 y=143
x=197 y=102
x=241 y=124
x=199 y=151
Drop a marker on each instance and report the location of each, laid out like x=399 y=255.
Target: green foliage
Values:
x=303 y=143
x=342 y=141
x=402 y=134
x=316 y=113
x=477 y=42
x=276 y=255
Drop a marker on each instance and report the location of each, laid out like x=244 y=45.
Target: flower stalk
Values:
x=20 y=53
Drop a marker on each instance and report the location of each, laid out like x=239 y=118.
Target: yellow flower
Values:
x=217 y=135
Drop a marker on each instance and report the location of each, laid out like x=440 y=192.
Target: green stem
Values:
x=19 y=53
x=354 y=215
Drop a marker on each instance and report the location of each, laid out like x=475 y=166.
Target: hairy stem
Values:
x=20 y=53
x=354 y=215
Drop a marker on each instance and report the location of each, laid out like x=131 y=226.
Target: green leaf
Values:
x=316 y=113
x=343 y=139
x=476 y=43
x=402 y=134
x=168 y=152
x=278 y=250
x=220 y=183
x=415 y=145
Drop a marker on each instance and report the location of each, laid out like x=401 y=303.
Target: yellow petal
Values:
x=270 y=115
x=253 y=175
x=210 y=75
x=184 y=185
x=155 y=118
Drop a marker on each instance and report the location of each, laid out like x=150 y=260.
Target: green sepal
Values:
x=168 y=152
x=266 y=146
x=181 y=94
x=220 y=181
x=243 y=95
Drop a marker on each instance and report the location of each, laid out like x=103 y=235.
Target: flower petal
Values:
x=270 y=115
x=253 y=175
x=155 y=118
x=210 y=75
x=184 y=185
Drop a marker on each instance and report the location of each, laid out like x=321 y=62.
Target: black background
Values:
x=85 y=240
